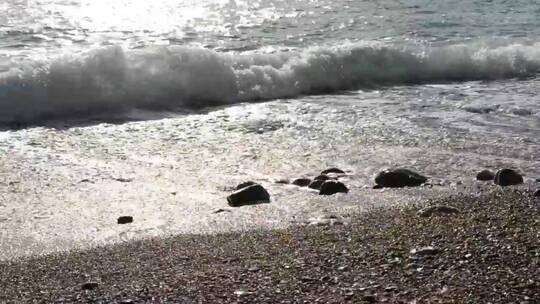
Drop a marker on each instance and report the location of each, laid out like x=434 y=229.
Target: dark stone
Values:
x=125 y=220
x=437 y=210
x=89 y=286
x=333 y=170
x=508 y=177
x=220 y=210
x=536 y=194
x=398 y=178
x=302 y=182
x=378 y=187
x=330 y=187
x=425 y=251
x=322 y=177
x=316 y=184
x=250 y=195
x=245 y=184
x=123 y=180
x=485 y=175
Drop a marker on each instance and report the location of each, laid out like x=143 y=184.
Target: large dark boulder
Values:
x=508 y=177
x=398 y=178
x=485 y=175
x=301 y=182
x=250 y=195
x=330 y=187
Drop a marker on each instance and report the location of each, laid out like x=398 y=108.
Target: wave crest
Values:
x=111 y=80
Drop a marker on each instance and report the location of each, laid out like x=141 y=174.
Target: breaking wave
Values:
x=112 y=80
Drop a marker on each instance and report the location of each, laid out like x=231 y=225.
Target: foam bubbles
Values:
x=112 y=80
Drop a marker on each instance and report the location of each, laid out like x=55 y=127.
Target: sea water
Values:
x=156 y=109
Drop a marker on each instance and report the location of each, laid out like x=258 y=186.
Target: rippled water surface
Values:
x=38 y=26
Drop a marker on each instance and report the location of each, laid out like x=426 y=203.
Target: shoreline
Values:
x=65 y=188
x=487 y=252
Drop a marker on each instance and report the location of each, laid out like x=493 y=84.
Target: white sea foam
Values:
x=111 y=80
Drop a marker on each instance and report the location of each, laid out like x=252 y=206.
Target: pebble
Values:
x=254 y=269
x=242 y=293
x=124 y=219
x=325 y=220
x=89 y=286
x=425 y=251
x=220 y=210
x=123 y=180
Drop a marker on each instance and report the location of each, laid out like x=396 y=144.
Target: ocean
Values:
x=157 y=108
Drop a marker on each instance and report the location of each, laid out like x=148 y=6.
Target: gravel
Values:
x=489 y=252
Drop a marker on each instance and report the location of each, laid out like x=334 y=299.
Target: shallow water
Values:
x=106 y=113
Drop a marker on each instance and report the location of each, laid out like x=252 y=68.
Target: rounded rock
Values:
x=485 y=175
x=398 y=178
x=250 y=195
x=124 y=220
x=89 y=286
x=330 y=187
x=508 y=177
x=302 y=182
x=425 y=251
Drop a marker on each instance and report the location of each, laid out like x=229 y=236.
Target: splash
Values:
x=112 y=80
